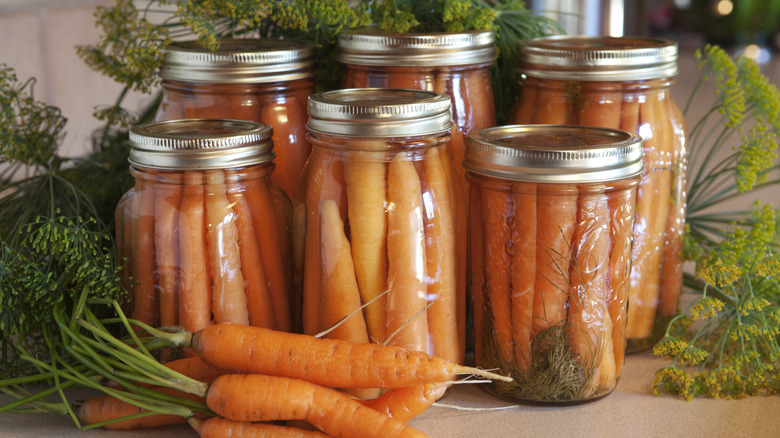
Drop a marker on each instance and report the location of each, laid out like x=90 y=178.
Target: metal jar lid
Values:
x=379 y=112
x=416 y=49
x=554 y=153
x=598 y=58
x=239 y=61
x=200 y=144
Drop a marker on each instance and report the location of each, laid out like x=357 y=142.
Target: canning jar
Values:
x=259 y=80
x=551 y=213
x=374 y=221
x=201 y=235
x=623 y=83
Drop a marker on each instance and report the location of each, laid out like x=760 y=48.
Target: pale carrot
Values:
x=228 y=299
x=330 y=362
x=607 y=360
x=652 y=211
x=404 y=404
x=217 y=427
x=672 y=263
x=144 y=294
x=194 y=279
x=288 y=117
x=271 y=245
x=587 y=304
x=366 y=180
x=254 y=397
x=259 y=305
x=621 y=216
x=523 y=271
x=407 y=322
x=556 y=209
x=440 y=251
x=125 y=236
x=629 y=112
x=168 y=196
x=498 y=262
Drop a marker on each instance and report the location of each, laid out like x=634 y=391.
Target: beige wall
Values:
x=38 y=38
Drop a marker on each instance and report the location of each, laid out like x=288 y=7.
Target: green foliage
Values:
x=29 y=129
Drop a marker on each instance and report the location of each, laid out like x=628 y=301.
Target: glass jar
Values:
x=265 y=81
x=374 y=221
x=551 y=213
x=623 y=83
x=455 y=64
x=200 y=233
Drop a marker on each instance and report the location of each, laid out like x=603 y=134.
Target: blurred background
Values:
x=38 y=39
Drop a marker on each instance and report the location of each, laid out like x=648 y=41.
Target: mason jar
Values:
x=265 y=81
x=374 y=221
x=551 y=214
x=200 y=233
x=623 y=83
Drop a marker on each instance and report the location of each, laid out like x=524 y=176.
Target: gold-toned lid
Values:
x=416 y=49
x=598 y=58
x=239 y=61
x=379 y=112
x=554 y=153
x=200 y=144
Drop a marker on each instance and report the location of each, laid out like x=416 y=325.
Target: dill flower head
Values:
x=705 y=308
x=724 y=71
x=720 y=273
x=756 y=156
x=673 y=380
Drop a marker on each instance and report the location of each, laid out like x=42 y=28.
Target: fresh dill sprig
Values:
x=725 y=344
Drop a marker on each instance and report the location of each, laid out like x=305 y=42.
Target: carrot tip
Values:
x=481 y=373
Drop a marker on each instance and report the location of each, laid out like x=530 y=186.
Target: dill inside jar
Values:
x=374 y=222
x=623 y=83
x=202 y=233
x=551 y=213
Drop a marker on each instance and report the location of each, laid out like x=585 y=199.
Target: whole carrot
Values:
x=106 y=408
x=476 y=268
x=407 y=322
x=166 y=246
x=287 y=117
x=601 y=104
x=404 y=404
x=331 y=362
x=255 y=397
x=144 y=295
x=217 y=427
x=523 y=274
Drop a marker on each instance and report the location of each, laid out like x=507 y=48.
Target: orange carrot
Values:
x=407 y=322
x=171 y=106
x=216 y=427
x=416 y=78
x=366 y=180
x=125 y=235
x=602 y=104
x=166 y=246
x=404 y=404
x=556 y=216
x=476 y=272
x=340 y=295
x=144 y=295
x=194 y=279
x=255 y=284
x=287 y=116
x=587 y=304
x=440 y=251
x=498 y=219
x=228 y=298
x=105 y=408
x=672 y=266
x=254 y=397
x=524 y=107
x=243 y=104
x=205 y=104
x=270 y=243
x=329 y=362
x=551 y=104
x=629 y=112
x=523 y=272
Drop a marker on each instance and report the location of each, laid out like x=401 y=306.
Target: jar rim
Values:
x=239 y=60
x=375 y=48
x=554 y=153
x=598 y=58
x=379 y=112
x=200 y=144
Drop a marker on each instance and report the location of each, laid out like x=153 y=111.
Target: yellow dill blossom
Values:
x=669 y=347
x=724 y=72
x=673 y=380
x=705 y=308
x=756 y=156
x=720 y=273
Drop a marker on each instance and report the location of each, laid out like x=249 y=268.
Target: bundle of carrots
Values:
x=377 y=248
x=247 y=378
x=203 y=246
x=281 y=106
x=645 y=108
x=550 y=264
